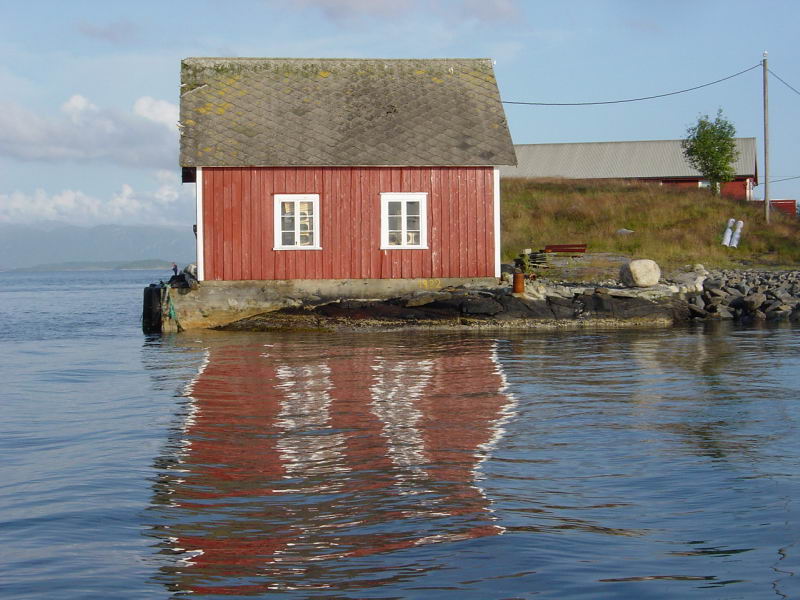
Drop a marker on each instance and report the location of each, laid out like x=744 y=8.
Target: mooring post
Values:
x=151 y=309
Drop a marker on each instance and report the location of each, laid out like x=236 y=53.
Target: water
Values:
x=606 y=464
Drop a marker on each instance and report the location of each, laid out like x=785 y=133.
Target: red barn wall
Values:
x=731 y=189
x=238 y=223
x=735 y=189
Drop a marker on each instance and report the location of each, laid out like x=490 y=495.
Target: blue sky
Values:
x=90 y=88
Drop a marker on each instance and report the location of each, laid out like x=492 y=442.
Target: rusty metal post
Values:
x=519 y=283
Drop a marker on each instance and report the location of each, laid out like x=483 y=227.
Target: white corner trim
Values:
x=201 y=269
x=496 y=192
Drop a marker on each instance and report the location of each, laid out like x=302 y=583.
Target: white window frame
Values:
x=276 y=210
x=422 y=198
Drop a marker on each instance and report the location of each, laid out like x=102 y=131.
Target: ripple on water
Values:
x=638 y=464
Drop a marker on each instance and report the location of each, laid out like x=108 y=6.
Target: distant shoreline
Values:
x=138 y=265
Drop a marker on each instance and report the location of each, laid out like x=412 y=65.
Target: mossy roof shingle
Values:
x=342 y=112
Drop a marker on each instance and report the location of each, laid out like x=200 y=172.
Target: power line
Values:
x=785 y=179
x=697 y=87
x=782 y=81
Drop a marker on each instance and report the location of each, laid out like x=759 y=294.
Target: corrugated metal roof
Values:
x=617 y=160
x=342 y=112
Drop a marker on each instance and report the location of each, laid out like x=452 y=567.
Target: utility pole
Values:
x=766 y=138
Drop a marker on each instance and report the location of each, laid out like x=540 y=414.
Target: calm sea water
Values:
x=604 y=464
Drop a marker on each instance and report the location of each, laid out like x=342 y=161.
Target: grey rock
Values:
x=423 y=298
x=562 y=308
x=773 y=306
x=697 y=312
x=718 y=292
x=712 y=284
x=737 y=302
x=480 y=305
x=538 y=309
x=721 y=311
x=514 y=308
x=754 y=301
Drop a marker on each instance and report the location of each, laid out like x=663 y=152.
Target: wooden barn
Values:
x=344 y=169
x=656 y=161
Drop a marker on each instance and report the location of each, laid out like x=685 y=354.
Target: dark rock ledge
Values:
x=457 y=308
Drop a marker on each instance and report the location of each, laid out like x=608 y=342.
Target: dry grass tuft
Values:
x=671 y=226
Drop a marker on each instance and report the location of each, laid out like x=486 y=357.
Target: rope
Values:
x=171 y=314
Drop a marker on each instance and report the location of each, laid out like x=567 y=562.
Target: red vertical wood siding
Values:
x=731 y=189
x=239 y=226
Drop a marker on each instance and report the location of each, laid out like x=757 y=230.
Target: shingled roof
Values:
x=342 y=112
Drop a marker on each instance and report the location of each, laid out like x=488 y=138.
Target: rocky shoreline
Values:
x=748 y=296
x=691 y=294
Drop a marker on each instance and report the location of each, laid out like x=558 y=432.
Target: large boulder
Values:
x=641 y=272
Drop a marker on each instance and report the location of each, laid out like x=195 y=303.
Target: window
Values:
x=404 y=221
x=297 y=222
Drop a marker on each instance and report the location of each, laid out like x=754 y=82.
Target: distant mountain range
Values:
x=104 y=246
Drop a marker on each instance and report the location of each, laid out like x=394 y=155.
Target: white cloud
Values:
x=171 y=203
x=86 y=133
x=159 y=111
x=76 y=106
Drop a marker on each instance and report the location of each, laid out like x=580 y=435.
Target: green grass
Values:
x=671 y=226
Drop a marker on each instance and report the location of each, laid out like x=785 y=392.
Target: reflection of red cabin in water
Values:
x=291 y=460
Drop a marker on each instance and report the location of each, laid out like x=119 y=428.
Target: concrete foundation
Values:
x=217 y=303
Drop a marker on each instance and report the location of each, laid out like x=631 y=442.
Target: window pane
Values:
x=287 y=238
x=287 y=223
x=305 y=225
x=395 y=238
x=306 y=208
x=395 y=223
x=412 y=238
x=287 y=208
x=412 y=208
x=306 y=239
x=412 y=223
x=395 y=208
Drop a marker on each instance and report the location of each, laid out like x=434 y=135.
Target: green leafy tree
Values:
x=710 y=148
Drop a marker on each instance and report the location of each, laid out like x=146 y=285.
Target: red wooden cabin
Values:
x=344 y=169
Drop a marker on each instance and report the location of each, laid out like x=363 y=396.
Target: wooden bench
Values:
x=566 y=250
